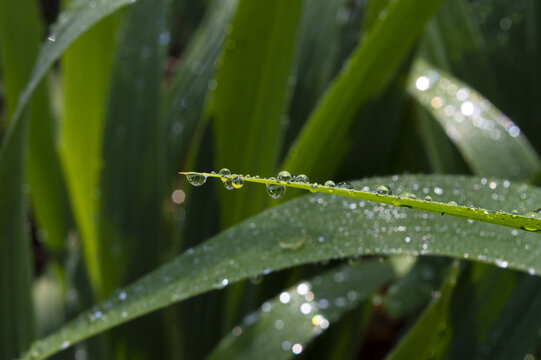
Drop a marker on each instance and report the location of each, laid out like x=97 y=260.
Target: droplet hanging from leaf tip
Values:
x=196 y=179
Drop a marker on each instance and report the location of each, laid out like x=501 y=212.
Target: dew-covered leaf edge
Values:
x=530 y=221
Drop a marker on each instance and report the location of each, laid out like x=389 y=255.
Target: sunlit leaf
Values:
x=333 y=227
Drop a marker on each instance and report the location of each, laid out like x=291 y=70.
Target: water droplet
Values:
x=296 y=349
x=122 y=296
x=329 y=183
x=284 y=176
x=228 y=184
x=237 y=182
x=285 y=297
x=428 y=198
x=407 y=195
x=276 y=191
x=52 y=38
x=383 y=190
x=345 y=185
x=224 y=174
x=313 y=187
x=452 y=203
x=196 y=179
x=65 y=345
x=534 y=214
x=301 y=179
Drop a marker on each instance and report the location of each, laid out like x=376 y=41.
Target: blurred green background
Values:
x=126 y=94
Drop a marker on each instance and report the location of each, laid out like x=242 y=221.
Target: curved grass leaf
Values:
x=529 y=220
x=478 y=129
x=329 y=227
x=287 y=323
x=78 y=17
x=324 y=137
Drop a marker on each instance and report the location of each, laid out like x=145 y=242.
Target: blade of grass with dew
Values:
x=286 y=324
x=325 y=227
x=251 y=95
x=478 y=129
x=429 y=337
x=364 y=76
x=527 y=220
x=185 y=99
x=80 y=137
x=47 y=185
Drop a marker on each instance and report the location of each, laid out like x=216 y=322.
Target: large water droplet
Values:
x=383 y=190
x=228 y=184
x=224 y=174
x=196 y=179
x=276 y=191
x=301 y=179
x=284 y=176
x=237 y=182
x=329 y=183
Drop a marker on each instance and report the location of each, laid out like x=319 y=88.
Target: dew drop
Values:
x=284 y=176
x=237 y=182
x=276 y=191
x=313 y=187
x=383 y=190
x=196 y=179
x=452 y=203
x=534 y=214
x=228 y=184
x=407 y=195
x=301 y=179
x=345 y=185
x=428 y=198
x=224 y=174
x=329 y=183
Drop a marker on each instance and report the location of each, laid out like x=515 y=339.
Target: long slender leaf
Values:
x=286 y=324
x=475 y=125
x=251 y=94
x=324 y=137
x=82 y=127
x=184 y=101
x=318 y=227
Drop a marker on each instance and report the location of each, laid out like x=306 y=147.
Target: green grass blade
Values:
x=478 y=129
x=131 y=178
x=21 y=32
x=528 y=219
x=80 y=136
x=251 y=94
x=428 y=339
x=16 y=323
x=318 y=227
x=76 y=20
x=287 y=323
x=371 y=66
x=184 y=101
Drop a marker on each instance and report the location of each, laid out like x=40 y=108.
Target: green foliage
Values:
x=124 y=94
